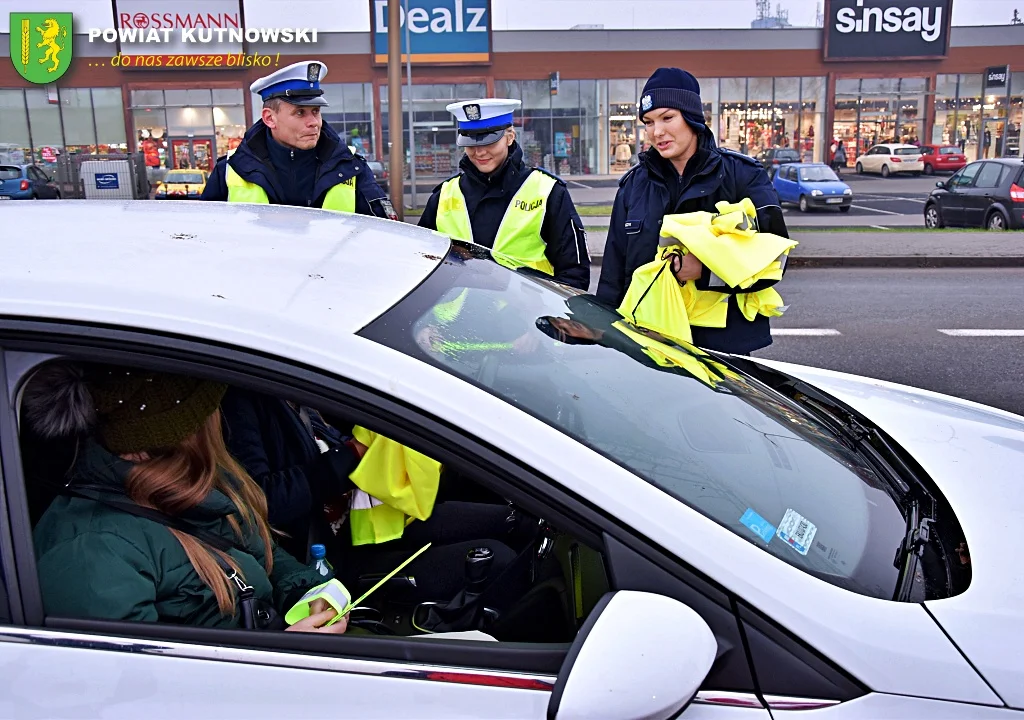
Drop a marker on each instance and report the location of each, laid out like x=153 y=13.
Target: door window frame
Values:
x=528 y=489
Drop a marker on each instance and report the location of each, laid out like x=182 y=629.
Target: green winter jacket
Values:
x=98 y=562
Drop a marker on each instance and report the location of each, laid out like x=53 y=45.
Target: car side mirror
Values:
x=639 y=655
x=940 y=184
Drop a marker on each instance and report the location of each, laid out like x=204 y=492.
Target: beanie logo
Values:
x=646 y=102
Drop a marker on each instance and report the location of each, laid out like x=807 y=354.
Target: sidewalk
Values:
x=890 y=249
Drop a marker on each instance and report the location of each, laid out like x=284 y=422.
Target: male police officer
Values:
x=289 y=157
x=500 y=202
x=685 y=172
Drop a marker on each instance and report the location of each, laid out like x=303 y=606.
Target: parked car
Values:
x=27 y=182
x=812 y=185
x=182 y=184
x=773 y=158
x=985 y=194
x=722 y=537
x=891 y=158
x=380 y=174
x=942 y=158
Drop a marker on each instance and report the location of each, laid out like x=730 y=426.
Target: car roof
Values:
x=1003 y=161
x=190 y=266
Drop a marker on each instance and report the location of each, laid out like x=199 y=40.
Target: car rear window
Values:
x=949 y=151
x=907 y=151
x=189 y=178
x=787 y=155
x=9 y=173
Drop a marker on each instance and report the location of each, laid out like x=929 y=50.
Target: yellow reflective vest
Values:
x=340 y=198
x=518 y=241
x=395 y=486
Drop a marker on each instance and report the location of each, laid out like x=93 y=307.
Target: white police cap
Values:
x=482 y=122
x=298 y=84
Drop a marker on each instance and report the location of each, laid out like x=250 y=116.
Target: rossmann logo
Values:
x=925 y=20
x=158 y=21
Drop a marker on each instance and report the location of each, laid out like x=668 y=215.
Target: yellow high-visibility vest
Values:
x=518 y=237
x=340 y=198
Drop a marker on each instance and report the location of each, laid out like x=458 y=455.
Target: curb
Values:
x=895 y=261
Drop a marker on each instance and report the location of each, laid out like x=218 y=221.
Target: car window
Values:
x=908 y=151
x=747 y=458
x=965 y=177
x=949 y=151
x=185 y=178
x=375 y=166
x=990 y=175
x=790 y=173
x=787 y=155
x=9 y=172
x=818 y=173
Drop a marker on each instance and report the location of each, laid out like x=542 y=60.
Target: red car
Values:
x=942 y=157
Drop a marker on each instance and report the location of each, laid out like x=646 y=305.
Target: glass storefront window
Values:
x=151 y=138
x=229 y=127
x=623 y=140
x=812 y=119
x=186 y=98
x=108 y=110
x=350 y=114
x=147 y=98
x=733 y=114
x=760 y=132
x=76 y=112
x=44 y=124
x=709 y=97
x=189 y=121
x=944 y=131
x=786 y=131
x=878 y=110
x=14 y=142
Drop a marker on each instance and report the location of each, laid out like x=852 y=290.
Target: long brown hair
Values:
x=180 y=478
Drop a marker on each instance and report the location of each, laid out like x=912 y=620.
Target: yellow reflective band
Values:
x=448 y=311
x=341 y=197
x=452 y=213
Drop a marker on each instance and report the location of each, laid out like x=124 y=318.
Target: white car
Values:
x=891 y=158
x=723 y=538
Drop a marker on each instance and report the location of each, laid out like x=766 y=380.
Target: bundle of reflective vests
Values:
x=729 y=245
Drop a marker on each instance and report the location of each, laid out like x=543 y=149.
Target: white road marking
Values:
x=579 y=184
x=806 y=332
x=880 y=227
x=983 y=333
x=884 y=212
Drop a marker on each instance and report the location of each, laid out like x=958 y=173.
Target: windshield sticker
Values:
x=761 y=527
x=797 y=531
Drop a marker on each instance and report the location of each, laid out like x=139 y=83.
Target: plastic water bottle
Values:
x=319 y=562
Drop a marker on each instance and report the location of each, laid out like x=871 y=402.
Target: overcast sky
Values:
x=354 y=15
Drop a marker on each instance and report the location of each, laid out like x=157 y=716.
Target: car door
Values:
x=784 y=185
x=870 y=160
x=952 y=202
x=979 y=198
x=87 y=668
x=40 y=183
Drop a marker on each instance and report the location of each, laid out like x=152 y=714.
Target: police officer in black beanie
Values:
x=684 y=171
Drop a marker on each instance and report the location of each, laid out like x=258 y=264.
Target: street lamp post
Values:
x=395 y=106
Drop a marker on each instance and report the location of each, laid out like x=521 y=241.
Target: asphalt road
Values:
x=886 y=324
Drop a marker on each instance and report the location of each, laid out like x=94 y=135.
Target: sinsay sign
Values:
x=886 y=29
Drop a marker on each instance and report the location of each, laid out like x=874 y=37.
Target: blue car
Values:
x=26 y=182
x=812 y=185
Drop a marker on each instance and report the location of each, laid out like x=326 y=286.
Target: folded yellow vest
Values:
x=727 y=244
x=396 y=485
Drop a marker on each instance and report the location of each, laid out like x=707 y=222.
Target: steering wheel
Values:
x=487 y=373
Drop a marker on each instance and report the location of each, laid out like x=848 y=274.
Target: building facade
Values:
x=761 y=88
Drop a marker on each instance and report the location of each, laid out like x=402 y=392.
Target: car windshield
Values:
x=908 y=151
x=718 y=440
x=186 y=178
x=10 y=173
x=787 y=155
x=818 y=173
x=949 y=151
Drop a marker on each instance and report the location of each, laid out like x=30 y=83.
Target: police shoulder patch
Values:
x=387 y=208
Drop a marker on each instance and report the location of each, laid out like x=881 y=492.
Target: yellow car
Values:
x=182 y=185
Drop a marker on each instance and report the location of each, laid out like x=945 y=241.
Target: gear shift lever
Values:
x=478 y=567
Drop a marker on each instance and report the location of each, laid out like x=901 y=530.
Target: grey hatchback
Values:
x=985 y=194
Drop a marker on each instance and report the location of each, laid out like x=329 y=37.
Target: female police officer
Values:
x=500 y=202
x=684 y=172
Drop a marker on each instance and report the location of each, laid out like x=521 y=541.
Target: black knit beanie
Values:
x=139 y=410
x=674 y=88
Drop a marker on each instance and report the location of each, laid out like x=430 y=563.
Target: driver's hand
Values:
x=320 y=613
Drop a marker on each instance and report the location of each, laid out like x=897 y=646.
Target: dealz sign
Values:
x=887 y=29
x=440 y=32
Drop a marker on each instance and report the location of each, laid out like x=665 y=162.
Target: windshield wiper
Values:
x=908 y=555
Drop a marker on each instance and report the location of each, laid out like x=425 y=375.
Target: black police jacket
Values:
x=487 y=199
x=334 y=164
x=653 y=189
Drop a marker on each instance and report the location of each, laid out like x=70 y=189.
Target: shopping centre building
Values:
x=799 y=87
